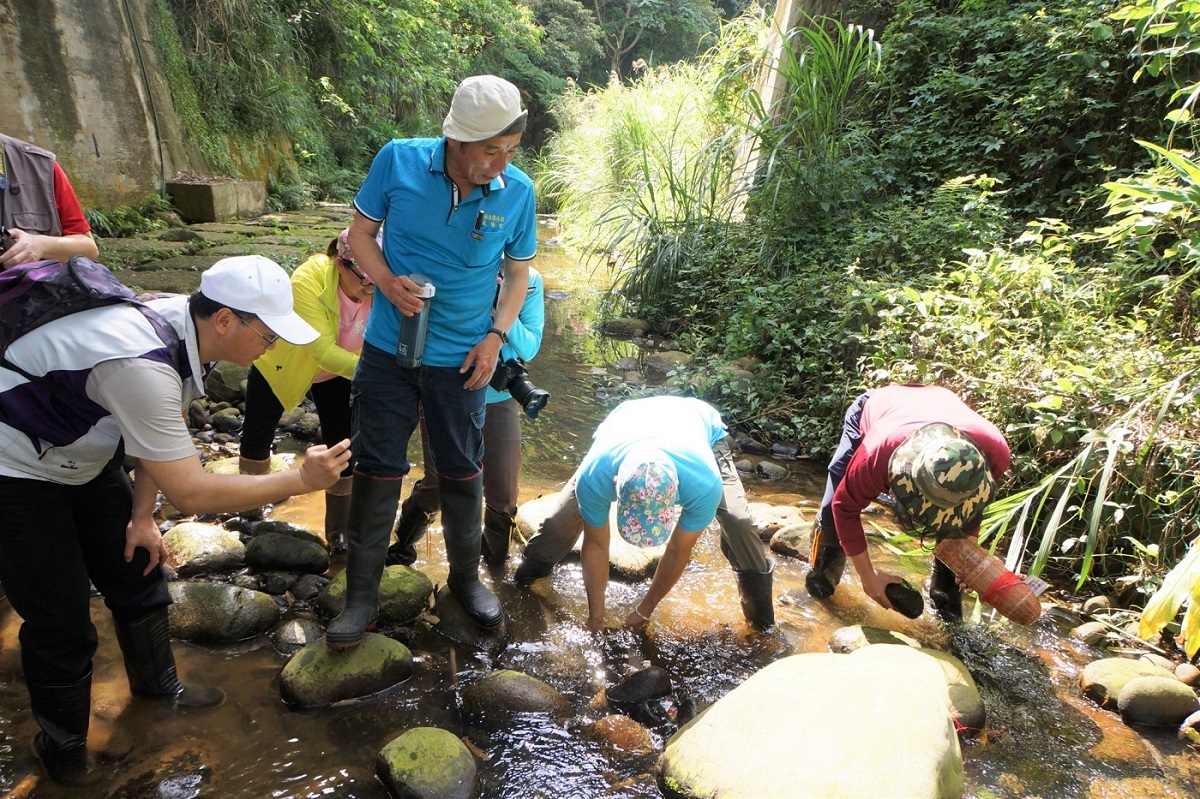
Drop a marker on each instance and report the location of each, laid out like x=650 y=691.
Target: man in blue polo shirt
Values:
x=456 y=211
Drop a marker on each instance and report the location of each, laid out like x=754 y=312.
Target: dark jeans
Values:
x=263 y=411
x=387 y=401
x=851 y=438
x=501 y=462
x=56 y=538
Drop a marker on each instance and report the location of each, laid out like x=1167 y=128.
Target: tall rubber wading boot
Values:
x=462 y=505
x=372 y=512
x=64 y=712
x=827 y=561
x=251 y=466
x=754 y=588
x=410 y=528
x=150 y=664
x=337 y=515
x=532 y=569
x=497 y=533
x=944 y=593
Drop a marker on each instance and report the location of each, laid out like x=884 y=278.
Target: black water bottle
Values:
x=411 y=346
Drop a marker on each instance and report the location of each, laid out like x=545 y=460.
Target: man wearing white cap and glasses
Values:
x=455 y=211
x=70 y=515
x=937 y=457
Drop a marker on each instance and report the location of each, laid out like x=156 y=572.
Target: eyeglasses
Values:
x=268 y=340
x=362 y=279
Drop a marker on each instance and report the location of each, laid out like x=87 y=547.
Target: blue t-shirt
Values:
x=460 y=249
x=682 y=427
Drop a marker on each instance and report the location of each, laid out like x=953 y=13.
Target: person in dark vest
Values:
x=39 y=212
x=936 y=456
x=71 y=518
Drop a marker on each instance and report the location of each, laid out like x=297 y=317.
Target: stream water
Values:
x=1042 y=738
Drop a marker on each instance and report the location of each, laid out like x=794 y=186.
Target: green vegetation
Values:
x=986 y=194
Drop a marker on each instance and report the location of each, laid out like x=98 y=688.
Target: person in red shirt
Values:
x=937 y=457
x=39 y=212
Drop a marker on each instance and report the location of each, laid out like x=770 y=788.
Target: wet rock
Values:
x=623 y=734
x=744 y=466
x=226 y=382
x=491 y=703
x=625 y=327
x=289 y=420
x=219 y=613
x=848 y=639
x=787 y=450
x=1092 y=632
x=749 y=444
x=308 y=587
x=795 y=541
x=770 y=518
x=195 y=548
x=643 y=684
x=403 y=596
x=292 y=636
x=1061 y=616
x=1188 y=674
x=307 y=427
x=288 y=529
x=1190 y=728
x=772 y=471
x=1097 y=604
x=912 y=748
x=318 y=676
x=428 y=762
x=1101 y=681
x=227 y=421
x=1156 y=701
x=661 y=364
x=197 y=415
x=278 y=552
x=454 y=623
x=181 y=770
x=274 y=583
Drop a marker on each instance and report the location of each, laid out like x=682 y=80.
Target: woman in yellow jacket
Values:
x=333 y=295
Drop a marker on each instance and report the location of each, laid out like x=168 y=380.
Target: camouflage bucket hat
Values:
x=940 y=479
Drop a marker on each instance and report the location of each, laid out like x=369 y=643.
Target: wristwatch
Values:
x=503 y=336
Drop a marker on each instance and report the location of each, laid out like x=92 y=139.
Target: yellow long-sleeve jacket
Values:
x=290 y=369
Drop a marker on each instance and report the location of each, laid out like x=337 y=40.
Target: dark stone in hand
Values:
x=905 y=599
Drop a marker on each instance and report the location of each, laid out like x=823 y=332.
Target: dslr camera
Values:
x=6 y=239
x=512 y=376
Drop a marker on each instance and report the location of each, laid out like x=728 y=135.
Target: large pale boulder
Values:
x=965 y=702
x=1156 y=701
x=230 y=465
x=1102 y=680
x=823 y=725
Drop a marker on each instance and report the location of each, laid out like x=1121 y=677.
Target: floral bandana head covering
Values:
x=941 y=480
x=647 y=485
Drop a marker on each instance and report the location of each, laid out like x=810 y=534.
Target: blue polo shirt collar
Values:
x=437 y=163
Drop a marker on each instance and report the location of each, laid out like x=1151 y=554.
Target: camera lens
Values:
x=528 y=396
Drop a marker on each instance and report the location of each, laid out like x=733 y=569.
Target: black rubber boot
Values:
x=497 y=533
x=372 y=512
x=754 y=588
x=150 y=664
x=532 y=569
x=337 y=515
x=827 y=561
x=64 y=713
x=462 y=505
x=944 y=593
x=410 y=528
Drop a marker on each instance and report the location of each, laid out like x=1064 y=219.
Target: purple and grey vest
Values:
x=46 y=435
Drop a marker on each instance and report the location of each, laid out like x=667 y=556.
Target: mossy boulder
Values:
x=318 y=676
x=403 y=596
x=428 y=763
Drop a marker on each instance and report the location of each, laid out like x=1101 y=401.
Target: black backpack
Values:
x=34 y=294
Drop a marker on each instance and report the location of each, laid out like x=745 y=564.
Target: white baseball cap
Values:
x=257 y=285
x=482 y=107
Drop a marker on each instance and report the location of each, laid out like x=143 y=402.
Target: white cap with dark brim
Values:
x=256 y=285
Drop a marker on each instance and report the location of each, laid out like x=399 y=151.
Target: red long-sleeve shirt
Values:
x=889 y=416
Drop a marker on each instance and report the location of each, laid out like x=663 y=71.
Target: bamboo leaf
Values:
x=1164 y=604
